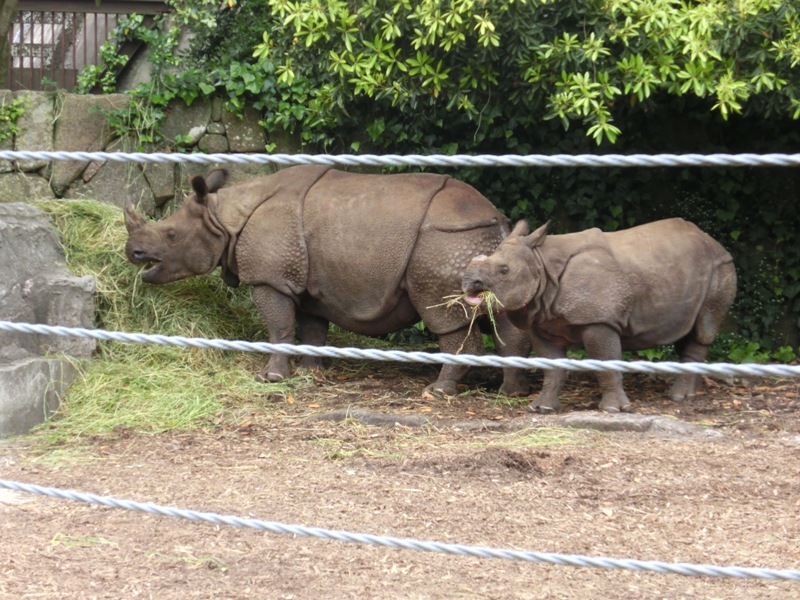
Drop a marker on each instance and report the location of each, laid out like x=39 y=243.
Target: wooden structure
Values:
x=51 y=42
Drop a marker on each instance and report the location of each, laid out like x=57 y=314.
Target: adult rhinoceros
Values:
x=370 y=253
x=660 y=283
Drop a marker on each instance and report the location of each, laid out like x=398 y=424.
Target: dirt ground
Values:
x=730 y=498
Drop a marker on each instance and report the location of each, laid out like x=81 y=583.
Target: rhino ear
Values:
x=200 y=189
x=216 y=179
x=537 y=237
x=521 y=228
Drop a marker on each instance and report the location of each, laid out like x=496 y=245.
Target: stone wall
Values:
x=72 y=122
x=36 y=287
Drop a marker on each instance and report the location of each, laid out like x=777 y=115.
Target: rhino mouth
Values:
x=474 y=299
x=149 y=265
x=150 y=269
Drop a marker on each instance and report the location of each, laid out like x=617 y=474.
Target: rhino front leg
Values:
x=547 y=400
x=603 y=343
x=515 y=342
x=455 y=343
x=312 y=330
x=277 y=311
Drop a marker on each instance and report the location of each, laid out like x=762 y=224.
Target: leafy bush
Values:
x=525 y=76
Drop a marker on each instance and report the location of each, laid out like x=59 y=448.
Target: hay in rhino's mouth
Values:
x=148 y=266
x=483 y=302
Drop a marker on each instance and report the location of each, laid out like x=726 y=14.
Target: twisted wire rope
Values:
x=573 y=560
x=471 y=360
x=427 y=160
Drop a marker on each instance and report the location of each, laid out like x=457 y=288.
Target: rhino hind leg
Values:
x=694 y=347
x=312 y=330
x=603 y=343
x=277 y=312
x=685 y=385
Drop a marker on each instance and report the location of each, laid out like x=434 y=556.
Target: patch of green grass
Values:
x=546 y=437
x=80 y=541
x=145 y=387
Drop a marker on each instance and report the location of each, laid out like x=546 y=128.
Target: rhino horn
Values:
x=132 y=219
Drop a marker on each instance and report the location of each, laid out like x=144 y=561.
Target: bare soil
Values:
x=729 y=499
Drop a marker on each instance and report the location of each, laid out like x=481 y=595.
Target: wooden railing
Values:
x=51 y=42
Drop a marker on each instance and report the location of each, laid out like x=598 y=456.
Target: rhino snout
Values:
x=472 y=284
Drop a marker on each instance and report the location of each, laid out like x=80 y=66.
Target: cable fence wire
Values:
x=427 y=160
x=621 y=366
x=572 y=560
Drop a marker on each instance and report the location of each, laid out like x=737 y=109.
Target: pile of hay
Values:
x=151 y=388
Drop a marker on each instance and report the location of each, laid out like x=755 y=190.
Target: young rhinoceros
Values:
x=661 y=283
x=370 y=253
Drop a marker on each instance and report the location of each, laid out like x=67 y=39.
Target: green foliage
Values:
x=9 y=115
x=141 y=119
x=572 y=61
x=526 y=76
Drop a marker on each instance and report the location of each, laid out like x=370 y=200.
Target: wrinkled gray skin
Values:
x=661 y=283
x=370 y=253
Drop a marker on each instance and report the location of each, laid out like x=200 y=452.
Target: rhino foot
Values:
x=515 y=389
x=441 y=389
x=544 y=406
x=269 y=378
x=613 y=410
x=614 y=407
x=684 y=388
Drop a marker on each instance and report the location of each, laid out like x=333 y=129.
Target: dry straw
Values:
x=490 y=306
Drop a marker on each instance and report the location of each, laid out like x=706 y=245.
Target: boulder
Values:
x=244 y=133
x=35 y=128
x=183 y=120
x=114 y=182
x=82 y=125
x=37 y=287
x=24 y=187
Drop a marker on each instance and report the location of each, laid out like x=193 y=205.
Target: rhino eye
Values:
x=503 y=269
x=171 y=235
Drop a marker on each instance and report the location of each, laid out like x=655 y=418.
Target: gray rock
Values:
x=30 y=391
x=161 y=179
x=212 y=143
x=24 y=187
x=244 y=133
x=368 y=417
x=35 y=128
x=182 y=119
x=82 y=125
x=216 y=128
x=36 y=287
x=216 y=108
x=633 y=422
x=115 y=183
